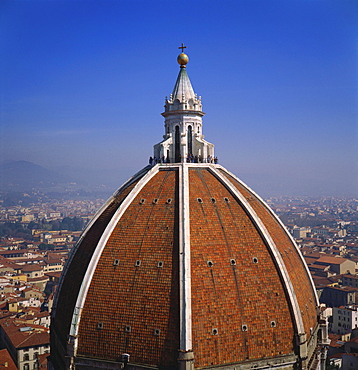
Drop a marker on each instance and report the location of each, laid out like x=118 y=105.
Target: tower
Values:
x=185 y=267
x=183 y=138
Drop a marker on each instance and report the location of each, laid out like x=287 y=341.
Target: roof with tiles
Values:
x=25 y=335
x=331 y=260
x=185 y=263
x=32 y=267
x=6 y=360
x=130 y=296
x=320 y=281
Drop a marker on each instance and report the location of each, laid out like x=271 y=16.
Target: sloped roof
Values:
x=246 y=274
x=36 y=336
x=5 y=358
x=331 y=260
x=32 y=267
x=182 y=87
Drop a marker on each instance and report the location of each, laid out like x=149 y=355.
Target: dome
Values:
x=185 y=267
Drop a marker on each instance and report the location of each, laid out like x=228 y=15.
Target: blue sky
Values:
x=82 y=86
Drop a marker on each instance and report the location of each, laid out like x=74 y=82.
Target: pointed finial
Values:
x=183 y=59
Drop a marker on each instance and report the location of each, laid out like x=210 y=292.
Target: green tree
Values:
x=46 y=247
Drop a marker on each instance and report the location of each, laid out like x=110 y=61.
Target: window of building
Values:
x=190 y=141
x=26 y=357
x=26 y=367
x=177 y=145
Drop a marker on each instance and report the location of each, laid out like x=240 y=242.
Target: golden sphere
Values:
x=183 y=59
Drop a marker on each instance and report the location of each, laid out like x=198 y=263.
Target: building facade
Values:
x=345 y=319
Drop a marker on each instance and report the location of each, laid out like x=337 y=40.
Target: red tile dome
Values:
x=185 y=257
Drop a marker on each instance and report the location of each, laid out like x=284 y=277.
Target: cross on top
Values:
x=182 y=47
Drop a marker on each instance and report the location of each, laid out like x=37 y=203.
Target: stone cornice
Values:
x=183 y=112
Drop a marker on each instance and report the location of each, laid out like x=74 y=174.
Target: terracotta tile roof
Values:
x=53 y=274
x=310 y=260
x=320 y=281
x=43 y=360
x=142 y=317
x=300 y=278
x=5 y=358
x=350 y=354
x=42 y=314
x=345 y=289
x=336 y=340
x=337 y=355
x=72 y=278
x=331 y=260
x=222 y=231
x=156 y=307
x=314 y=255
x=14 y=251
x=318 y=267
x=32 y=267
x=20 y=337
x=37 y=279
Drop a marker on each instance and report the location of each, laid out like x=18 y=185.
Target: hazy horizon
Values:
x=82 y=86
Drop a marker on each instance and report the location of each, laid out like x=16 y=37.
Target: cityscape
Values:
x=37 y=238
x=184 y=266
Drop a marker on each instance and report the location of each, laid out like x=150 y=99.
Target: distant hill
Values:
x=27 y=176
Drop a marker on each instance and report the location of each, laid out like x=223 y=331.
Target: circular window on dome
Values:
x=213 y=200
x=232 y=262
x=273 y=324
x=214 y=331
x=157 y=332
x=137 y=263
x=141 y=201
x=226 y=200
x=255 y=260
x=127 y=329
x=199 y=200
x=244 y=327
x=155 y=201
x=160 y=264
x=210 y=263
